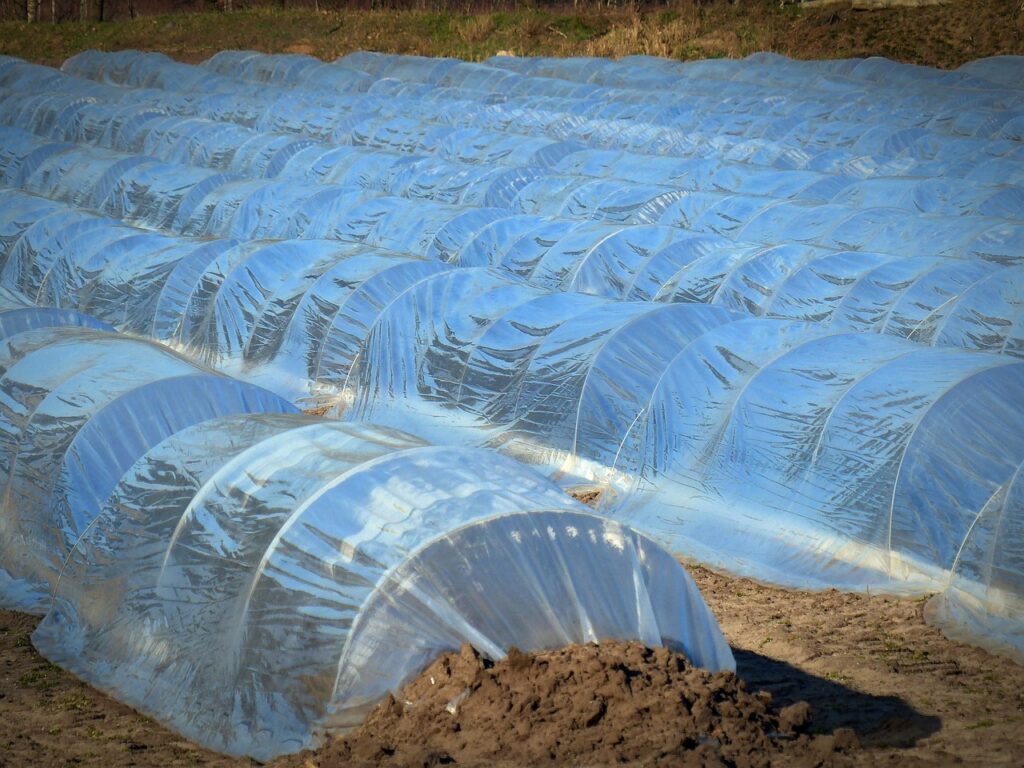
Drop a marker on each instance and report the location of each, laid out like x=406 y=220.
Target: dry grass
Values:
x=944 y=36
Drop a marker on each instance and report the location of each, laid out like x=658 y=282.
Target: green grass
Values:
x=42 y=678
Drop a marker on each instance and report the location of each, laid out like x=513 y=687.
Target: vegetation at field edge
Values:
x=944 y=36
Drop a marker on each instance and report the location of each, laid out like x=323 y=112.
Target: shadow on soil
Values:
x=879 y=721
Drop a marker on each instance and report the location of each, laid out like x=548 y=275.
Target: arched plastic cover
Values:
x=79 y=406
x=828 y=192
x=796 y=146
x=513 y=363
x=983 y=590
x=921 y=210
x=270 y=311
x=871 y=471
x=916 y=297
x=17 y=320
x=254 y=581
x=575 y=383
x=767 y=448
x=643 y=91
x=898 y=217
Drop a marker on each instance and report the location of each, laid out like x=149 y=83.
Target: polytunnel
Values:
x=315 y=327
x=916 y=298
x=467 y=109
x=603 y=398
x=362 y=555
x=770 y=419
x=722 y=191
x=80 y=405
x=930 y=196
x=705 y=103
x=508 y=361
x=982 y=601
x=483 y=253
x=18 y=314
x=254 y=309
x=255 y=578
x=767 y=448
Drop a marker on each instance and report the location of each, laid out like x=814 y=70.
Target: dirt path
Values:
x=869 y=663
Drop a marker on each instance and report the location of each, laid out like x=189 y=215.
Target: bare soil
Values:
x=613 y=704
x=50 y=718
x=867 y=663
x=871 y=663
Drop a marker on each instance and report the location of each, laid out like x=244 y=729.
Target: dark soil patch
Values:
x=607 y=704
x=866 y=663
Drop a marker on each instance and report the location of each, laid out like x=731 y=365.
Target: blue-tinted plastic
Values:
x=857 y=210
x=256 y=578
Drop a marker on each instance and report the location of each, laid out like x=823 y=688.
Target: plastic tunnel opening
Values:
x=536 y=581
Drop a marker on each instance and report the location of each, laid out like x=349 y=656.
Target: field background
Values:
x=946 y=34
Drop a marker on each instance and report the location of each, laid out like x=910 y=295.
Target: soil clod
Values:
x=606 y=704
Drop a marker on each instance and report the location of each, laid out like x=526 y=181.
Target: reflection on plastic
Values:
x=253 y=577
x=554 y=258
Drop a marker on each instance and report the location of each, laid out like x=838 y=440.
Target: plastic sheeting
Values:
x=879 y=461
x=605 y=118
x=80 y=405
x=920 y=213
x=255 y=578
x=409 y=199
x=959 y=302
x=574 y=383
x=548 y=399
x=768 y=448
x=696 y=110
x=360 y=557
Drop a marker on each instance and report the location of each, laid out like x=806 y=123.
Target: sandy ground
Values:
x=869 y=663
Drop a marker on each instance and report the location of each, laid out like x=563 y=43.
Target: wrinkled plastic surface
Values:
x=768 y=240
x=951 y=302
x=79 y=406
x=255 y=578
x=408 y=199
x=360 y=556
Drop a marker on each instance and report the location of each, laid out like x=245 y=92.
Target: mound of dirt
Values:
x=607 y=704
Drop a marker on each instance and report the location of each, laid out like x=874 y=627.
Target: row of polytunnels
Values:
x=968 y=302
x=703 y=195
x=784 y=340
